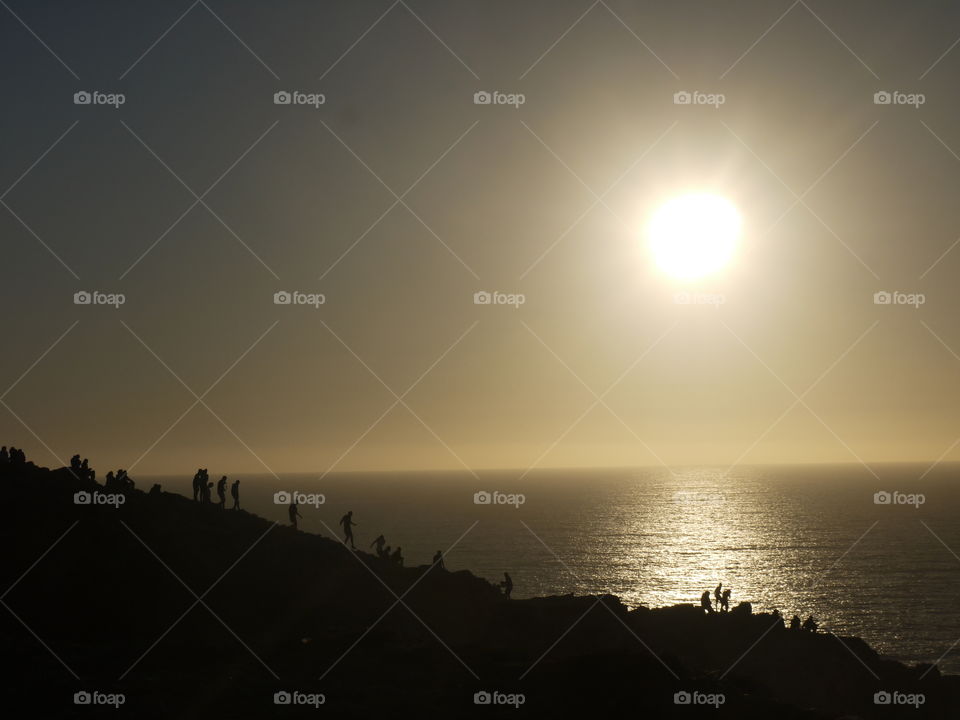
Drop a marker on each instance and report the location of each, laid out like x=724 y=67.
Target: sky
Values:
x=399 y=197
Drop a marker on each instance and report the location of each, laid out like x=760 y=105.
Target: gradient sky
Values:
x=508 y=203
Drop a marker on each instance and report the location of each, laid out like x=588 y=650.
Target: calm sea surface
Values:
x=803 y=539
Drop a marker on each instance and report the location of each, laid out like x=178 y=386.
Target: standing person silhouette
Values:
x=438 y=560
x=379 y=542
x=197 y=484
x=725 y=600
x=294 y=514
x=507 y=585
x=222 y=492
x=347 y=522
x=717 y=595
x=235 y=494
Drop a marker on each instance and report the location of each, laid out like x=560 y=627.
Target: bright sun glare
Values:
x=694 y=235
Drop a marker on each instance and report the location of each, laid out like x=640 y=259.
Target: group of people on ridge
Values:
x=203 y=487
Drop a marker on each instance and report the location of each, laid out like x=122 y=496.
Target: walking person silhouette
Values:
x=222 y=492
x=235 y=494
x=348 y=524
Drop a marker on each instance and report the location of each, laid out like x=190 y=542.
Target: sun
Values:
x=694 y=235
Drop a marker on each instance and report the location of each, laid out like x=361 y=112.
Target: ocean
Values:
x=875 y=557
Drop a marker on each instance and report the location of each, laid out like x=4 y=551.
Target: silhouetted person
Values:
x=795 y=622
x=235 y=494
x=75 y=465
x=725 y=600
x=294 y=514
x=810 y=625
x=347 y=522
x=4 y=455
x=222 y=492
x=155 y=490
x=438 y=560
x=385 y=553
x=705 y=603
x=717 y=595
x=507 y=585
x=379 y=541
x=397 y=557
x=207 y=493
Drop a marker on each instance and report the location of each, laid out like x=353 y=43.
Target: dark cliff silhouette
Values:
x=305 y=607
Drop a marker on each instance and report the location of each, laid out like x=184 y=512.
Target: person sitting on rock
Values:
x=725 y=600
x=705 y=603
x=810 y=625
x=795 y=622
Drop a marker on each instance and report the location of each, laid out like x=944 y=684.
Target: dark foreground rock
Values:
x=190 y=612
